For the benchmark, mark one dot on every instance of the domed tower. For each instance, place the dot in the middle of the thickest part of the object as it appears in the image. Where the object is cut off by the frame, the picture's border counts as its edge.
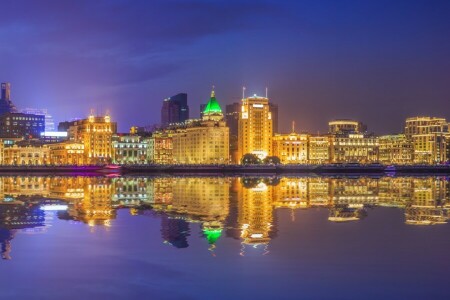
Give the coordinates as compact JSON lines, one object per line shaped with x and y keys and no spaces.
{"x":212,"y":110}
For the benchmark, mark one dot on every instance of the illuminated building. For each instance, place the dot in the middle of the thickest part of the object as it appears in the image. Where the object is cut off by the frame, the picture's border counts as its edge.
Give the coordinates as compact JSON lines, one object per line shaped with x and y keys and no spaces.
{"x":318,"y":149}
{"x":344,"y":126}
{"x":255,"y":211}
{"x":232,"y":119}
{"x":160,"y":147}
{"x":395,"y":149}
{"x":53,"y":136}
{"x":67,"y":153}
{"x":429,"y":138}
{"x":255,"y":129}
{"x":349,"y":143}
{"x":96,"y":135}
{"x":130,"y":149}
{"x":26,"y":154}
{"x":174,"y":110}
{"x":6,"y":105}
{"x":291,"y":148}
{"x":205,"y":141}
{"x":49,"y":123}
{"x":354,"y":148}
{"x":18,"y":125}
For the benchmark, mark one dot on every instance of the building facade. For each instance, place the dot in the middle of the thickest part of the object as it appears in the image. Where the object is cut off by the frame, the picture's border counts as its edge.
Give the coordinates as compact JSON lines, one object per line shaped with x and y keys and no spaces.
{"x":319,"y":149}
{"x":429,"y":136}
{"x":19,"y":125}
{"x":354,"y":148}
{"x":130,"y":149}
{"x":95,"y":133}
{"x":160,"y":147}
{"x":291,"y":148}
{"x":22,"y":155}
{"x":344,"y":126}
{"x":395,"y":149}
{"x":67,"y":153}
{"x":204,"y":141}
{"x":255,"y":129}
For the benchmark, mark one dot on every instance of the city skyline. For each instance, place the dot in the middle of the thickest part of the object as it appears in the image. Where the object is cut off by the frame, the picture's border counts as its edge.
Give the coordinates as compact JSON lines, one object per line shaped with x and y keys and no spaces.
{"x":330,"y":60}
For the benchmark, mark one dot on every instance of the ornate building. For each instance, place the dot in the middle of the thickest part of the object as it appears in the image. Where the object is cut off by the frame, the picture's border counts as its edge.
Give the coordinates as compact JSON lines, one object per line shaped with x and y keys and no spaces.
{"x":204,"y":141}
{"x":130,"y":149}
{"x":96,"y":135}
{"x":160,"y":147}
{"x":291,"y":148}
{"x":67,"y":153}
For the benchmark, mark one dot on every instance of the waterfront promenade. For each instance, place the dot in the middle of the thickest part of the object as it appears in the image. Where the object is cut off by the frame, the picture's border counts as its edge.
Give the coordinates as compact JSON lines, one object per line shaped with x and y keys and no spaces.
{"x":230,"y":169}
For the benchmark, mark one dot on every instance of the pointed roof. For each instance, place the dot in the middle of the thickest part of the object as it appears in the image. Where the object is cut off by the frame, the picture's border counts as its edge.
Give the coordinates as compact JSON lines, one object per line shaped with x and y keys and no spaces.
{"x":212,"y":234}
{"x":213,"y":106}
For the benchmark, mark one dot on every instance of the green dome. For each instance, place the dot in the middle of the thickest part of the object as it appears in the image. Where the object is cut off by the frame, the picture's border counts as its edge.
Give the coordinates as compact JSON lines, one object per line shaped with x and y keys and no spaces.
{"x":213,"y":106}
{"x":212,"y":235}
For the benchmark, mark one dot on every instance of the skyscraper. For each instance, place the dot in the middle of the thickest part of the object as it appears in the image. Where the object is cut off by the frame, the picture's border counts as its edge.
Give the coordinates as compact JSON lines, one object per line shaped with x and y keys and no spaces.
{"x":174,"y":110}
{"x":49,"y":123}
{"x":232,"y":119}
{"x":255,"y":128}
{"x":274,"y":112}
{"x":6,"y":105}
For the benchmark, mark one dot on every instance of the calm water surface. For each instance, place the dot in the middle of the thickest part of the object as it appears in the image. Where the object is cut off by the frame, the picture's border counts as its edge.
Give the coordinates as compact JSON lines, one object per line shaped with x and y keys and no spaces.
{"x":224,"y":238}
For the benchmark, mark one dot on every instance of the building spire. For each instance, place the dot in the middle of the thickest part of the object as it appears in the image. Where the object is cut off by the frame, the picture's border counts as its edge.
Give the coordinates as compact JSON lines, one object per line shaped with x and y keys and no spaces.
{"x":213,"y":94}
{"x":293,"y":126}
{"x":243,"y":92}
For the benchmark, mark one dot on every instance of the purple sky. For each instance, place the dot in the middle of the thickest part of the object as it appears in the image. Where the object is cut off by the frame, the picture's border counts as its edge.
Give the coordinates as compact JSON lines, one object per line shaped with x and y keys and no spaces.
{"x":376,"y":61}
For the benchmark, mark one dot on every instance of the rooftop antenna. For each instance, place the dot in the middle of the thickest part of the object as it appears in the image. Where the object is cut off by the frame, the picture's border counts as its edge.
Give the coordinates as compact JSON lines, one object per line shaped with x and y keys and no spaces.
{"x":293,"y":126}
{"x":243,"y":92}
{"x":267,"y":92}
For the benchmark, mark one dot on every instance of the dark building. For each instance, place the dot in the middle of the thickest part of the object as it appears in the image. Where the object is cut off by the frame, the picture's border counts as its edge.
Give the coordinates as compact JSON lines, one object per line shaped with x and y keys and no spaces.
{"x":18,"y":125}
{"x":64,"y":126}
{"x":6,"y":105}
{"x":232,"y":118}
{"x":174,"y":110}
{"x":202,"y":109}
{"x":274,"y":111}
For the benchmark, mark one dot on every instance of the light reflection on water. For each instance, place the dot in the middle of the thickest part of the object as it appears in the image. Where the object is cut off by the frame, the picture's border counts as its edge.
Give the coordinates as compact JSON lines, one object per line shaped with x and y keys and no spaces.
{"x":252,"y":211}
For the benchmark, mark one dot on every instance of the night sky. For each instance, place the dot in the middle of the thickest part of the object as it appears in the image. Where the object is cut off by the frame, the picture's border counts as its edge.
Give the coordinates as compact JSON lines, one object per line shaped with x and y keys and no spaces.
{"x":376,"y":61}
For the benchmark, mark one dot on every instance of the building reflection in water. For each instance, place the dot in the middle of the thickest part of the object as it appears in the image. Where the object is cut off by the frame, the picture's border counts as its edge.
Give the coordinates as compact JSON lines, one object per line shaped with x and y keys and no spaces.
{"x":238,"y":208}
